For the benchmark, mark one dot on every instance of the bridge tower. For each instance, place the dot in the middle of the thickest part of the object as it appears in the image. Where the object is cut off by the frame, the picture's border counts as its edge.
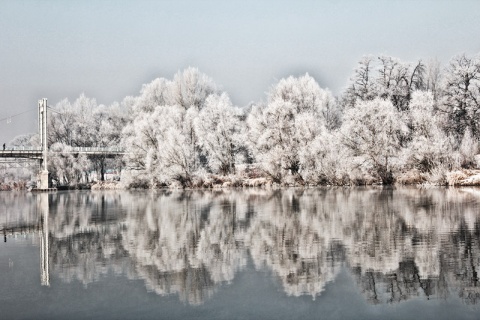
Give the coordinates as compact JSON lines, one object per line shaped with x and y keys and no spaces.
{"x":42,"y":128}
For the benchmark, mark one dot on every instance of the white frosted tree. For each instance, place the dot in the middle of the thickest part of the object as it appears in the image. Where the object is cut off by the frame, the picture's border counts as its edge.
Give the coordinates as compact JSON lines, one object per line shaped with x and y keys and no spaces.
{"x":362,"y":84}
{"x":65,"y":168}
{"x":178,"y":156}
{"x":62,"y":123}
{"x":461,"y":95}
{"x":190,"y":88}
{"x":141,"y":141}
{"x":152,"y":95}
{"x":325,"y":160}
{"x":468,"y":150}
{"x":372,"y":130}
{"x":387,"y":78}
{"x":288,"y":123}
{"x":429,"y":147}
{"x":161,"y":139}
{"x":83,"y":123}
{"x":218,"y":127}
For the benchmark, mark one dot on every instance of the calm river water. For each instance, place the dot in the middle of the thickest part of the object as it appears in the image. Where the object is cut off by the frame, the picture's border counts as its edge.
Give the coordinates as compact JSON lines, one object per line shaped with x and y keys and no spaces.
{"x":357,"y":253}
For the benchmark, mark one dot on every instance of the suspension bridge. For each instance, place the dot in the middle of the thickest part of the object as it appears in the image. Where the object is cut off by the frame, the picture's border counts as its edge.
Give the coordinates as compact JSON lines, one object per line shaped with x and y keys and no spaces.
{"x":19,"y":156}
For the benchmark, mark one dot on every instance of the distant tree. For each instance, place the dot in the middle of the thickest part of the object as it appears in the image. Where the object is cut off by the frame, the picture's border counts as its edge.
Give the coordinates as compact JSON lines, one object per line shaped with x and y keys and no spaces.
{"x":362,"y":84}
{"x":397,"y":80}
{"x":153,"y":94}
{"x":190,"y":88}
{"x":386,"y":78}
{"x":372,"y":130}
{"x":433,"y":78}
{"x":25,"y":140}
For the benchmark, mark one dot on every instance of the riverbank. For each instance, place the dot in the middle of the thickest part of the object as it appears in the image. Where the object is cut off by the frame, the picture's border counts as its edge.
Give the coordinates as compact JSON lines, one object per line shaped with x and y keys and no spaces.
{"x":13,"y":186}
{"x":464,"y":177}
{"x":456,"y":178}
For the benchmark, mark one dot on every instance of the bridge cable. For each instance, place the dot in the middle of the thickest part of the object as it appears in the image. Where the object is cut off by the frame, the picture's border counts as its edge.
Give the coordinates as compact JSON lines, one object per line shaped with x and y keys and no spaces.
{"x":54,"y":110}
{"x":16,"y":115}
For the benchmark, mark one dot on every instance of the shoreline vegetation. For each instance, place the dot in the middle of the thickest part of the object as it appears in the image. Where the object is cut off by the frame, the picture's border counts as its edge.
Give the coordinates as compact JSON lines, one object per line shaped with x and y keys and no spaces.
{"x":458,"y":178}
{"x":396,"y":122}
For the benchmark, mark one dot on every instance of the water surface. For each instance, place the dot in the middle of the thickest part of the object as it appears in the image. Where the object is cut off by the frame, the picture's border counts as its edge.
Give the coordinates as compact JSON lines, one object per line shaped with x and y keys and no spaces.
{"x":357,"y":253}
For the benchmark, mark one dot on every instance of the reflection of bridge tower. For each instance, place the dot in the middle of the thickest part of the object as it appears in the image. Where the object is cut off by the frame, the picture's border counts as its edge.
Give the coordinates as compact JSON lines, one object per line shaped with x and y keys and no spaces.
{"x":42,"y":128}
{"x":42,"y":204}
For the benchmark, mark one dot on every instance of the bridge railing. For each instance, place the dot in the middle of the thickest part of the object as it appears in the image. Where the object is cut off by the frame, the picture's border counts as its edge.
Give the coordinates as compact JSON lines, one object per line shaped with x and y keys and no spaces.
{"x":21,"y":148}
{"x":26,"y":149}
{"x":97,"y":149}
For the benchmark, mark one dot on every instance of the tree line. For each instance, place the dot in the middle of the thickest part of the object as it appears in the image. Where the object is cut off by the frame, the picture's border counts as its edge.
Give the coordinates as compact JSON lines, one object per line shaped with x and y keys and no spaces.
{"x":396,"y":121}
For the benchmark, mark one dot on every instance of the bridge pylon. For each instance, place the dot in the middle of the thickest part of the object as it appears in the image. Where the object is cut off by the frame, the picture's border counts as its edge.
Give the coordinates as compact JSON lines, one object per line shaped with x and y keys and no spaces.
{"x":43,"y":181}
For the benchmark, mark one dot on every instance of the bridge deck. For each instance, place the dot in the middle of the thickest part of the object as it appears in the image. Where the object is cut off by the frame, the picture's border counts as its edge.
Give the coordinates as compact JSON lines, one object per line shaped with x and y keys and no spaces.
{"x":25,"y":152}
{"x":32,"y":154}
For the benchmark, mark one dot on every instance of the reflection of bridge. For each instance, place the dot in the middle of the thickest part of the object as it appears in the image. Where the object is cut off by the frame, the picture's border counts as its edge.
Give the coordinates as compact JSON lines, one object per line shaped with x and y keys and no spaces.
{"x":41,"y":154}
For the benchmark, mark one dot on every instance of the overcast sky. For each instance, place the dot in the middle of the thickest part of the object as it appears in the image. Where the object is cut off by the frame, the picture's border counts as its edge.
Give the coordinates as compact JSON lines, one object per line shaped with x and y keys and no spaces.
{"x":108,"y":49}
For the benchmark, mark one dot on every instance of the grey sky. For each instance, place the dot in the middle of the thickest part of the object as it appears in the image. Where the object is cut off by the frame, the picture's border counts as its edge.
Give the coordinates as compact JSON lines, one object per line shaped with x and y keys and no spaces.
{"x":108,"y":49}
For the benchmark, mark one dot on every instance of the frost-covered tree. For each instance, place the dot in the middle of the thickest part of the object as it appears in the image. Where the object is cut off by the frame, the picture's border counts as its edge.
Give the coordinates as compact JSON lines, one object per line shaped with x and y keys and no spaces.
{"x":372,"y":130}
{"x":461,"y":95}
{"x":292,"y":119}
{"x":325,"y":160}
{"x":62,"y":123}
{"x":160,"y":146}
{"x":107,"y":123}
{"x":161,"y":138}
{"x":179,"y":158}
{"x":219,"y":131}
{"x":190,"y":88}
{"x":153,"y":94}
{"x":65,"y":168}
{"x":140,"y":140}
{"x":397,"y":80}
{"x":387,"y":78}
{"x":468,"y":150}
{"x":71,"y":123}
{"x":429,"y":147}
{"x":83,"y":123}
{"x":433,"y":78}
{"x":362,"y":84}
{"x":25,"y":140}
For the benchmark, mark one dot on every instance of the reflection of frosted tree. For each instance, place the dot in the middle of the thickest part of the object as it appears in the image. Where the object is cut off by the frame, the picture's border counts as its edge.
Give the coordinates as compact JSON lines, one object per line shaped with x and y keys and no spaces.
{"x":85,"y":230}
{"x":13,"y":211}
{"x":185,"y":243}
{"x":436,"y":227}
{"x":283,"y":238}
{"x":398,"y":244}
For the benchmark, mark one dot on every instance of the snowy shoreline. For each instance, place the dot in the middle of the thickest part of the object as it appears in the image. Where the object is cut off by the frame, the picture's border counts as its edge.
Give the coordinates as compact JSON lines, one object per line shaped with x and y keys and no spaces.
{"x":458,"y":178}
